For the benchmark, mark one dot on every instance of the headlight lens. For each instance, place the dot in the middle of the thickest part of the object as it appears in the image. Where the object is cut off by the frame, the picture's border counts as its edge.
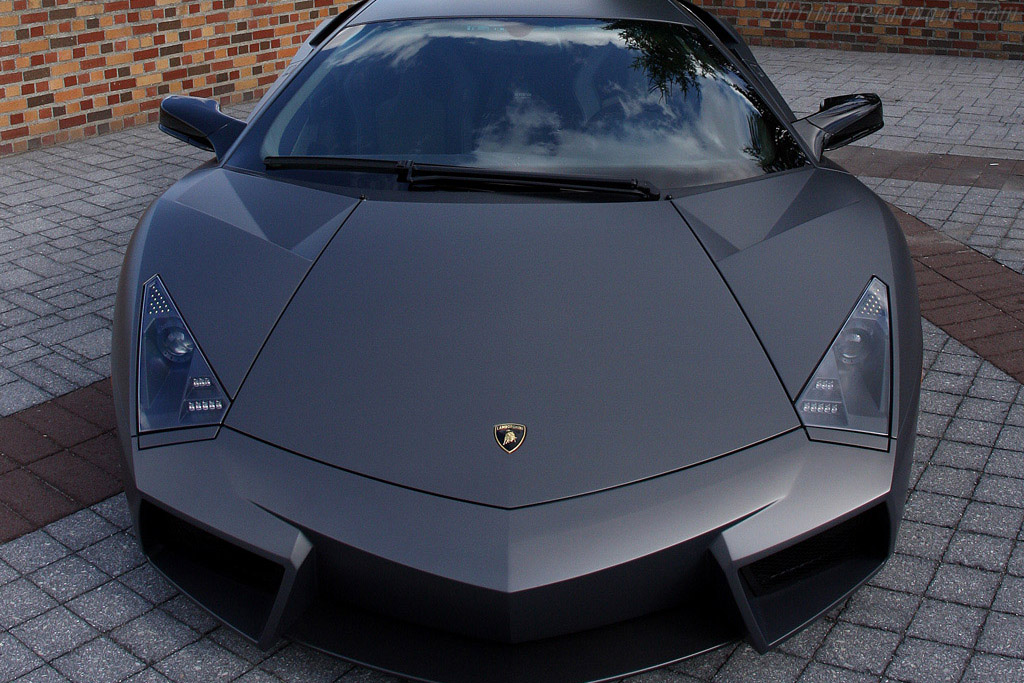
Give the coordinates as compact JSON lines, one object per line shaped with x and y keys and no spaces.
{"x":850,"y":387}
{"x":177,"y":387}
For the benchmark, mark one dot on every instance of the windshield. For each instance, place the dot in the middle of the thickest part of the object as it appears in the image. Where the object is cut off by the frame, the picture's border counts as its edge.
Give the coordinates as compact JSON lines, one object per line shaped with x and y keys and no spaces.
{"x":655,"y":101}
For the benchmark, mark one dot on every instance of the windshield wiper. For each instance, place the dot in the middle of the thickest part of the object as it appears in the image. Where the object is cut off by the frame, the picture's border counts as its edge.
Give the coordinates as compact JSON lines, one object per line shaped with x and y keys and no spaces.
{"x":438,"y":175}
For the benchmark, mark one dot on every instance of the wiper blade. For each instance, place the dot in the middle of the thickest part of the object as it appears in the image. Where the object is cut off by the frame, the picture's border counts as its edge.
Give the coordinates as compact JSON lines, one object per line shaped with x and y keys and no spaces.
{"x":461,"y":176}
{"x":328,"y":163}
{"x":438,"y":175}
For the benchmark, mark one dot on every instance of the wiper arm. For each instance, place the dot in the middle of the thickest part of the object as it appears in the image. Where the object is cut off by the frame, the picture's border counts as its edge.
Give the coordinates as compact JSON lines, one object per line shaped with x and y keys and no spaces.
{"x":435,"y":175}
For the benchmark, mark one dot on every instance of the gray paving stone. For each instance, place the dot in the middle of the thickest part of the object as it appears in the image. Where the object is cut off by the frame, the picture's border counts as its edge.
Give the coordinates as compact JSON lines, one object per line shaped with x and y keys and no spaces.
{"x":115,"y":511}
{"x":923,"y":506}
{"x":995,"y":520}
{"x":68,"y":578}
{"x":54,"y":633}
{"x":948,"y":481}
{"x":1008,"y":463}
{"x":858,"y":648}
{"x":744,"y":664}
{"x":115,"y":554}
{"x":15,"y":658}
{"x":702,"y":667}
{"x":299,"y":664}
{"x":978,"y":550}
{"x":823,"y":673}
{"x":805,"y":643}
{"x":1003,"y":634}
{"x":148,"y":583}
{"x":905,"y":573}
{"x":1006,"y":491}
{"x":202,"y":662}
{"x":946,"y":622}
{"x":44,"y":674}
{"x":150,"y":676}
{"x":881,"y":608}
{"x":20,"y":600}
{"x":7,"y":573}
{"x":964,"y":585}
{"x":81,"y":529}
{"x":108,"y":606}
{"x":154,"y":635}
{"x":923,"y":540}
{"x":985,"y":668}
{"x":1010,"y":597}
{"x":98,"y":661}
{"x":185,"y":610}
{"x":31,"y":551}
{"x":258,"y":676}
{"x":922,"y":661}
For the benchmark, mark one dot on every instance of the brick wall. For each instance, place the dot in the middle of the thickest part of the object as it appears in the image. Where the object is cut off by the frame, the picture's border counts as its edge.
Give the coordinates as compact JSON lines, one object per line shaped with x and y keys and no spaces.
{"x":73,"y":68}
{"x":948,"y":27}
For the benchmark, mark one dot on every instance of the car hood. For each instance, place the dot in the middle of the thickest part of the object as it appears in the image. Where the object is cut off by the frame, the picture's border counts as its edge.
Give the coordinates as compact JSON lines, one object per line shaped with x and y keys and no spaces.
{"x":604,"y":328}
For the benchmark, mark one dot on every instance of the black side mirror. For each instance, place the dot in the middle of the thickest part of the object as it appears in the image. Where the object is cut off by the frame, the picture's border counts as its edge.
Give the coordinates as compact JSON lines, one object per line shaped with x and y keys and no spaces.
{"x":199,"y":122}
{"x":841,"y":120}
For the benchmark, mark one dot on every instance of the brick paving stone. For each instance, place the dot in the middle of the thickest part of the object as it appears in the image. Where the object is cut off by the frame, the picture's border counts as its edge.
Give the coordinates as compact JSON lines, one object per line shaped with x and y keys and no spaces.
{"x":33,"y":499}
{"x":76,"y":477}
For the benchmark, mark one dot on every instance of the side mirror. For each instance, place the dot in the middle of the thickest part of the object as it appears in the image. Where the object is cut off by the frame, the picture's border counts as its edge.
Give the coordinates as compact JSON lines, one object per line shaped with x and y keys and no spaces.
{"x":840,"y":121}
{"x":199,"y":122}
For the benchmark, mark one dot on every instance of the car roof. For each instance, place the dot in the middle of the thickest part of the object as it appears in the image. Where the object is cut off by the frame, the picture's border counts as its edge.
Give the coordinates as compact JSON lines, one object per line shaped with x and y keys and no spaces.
{"x":653,"y":10}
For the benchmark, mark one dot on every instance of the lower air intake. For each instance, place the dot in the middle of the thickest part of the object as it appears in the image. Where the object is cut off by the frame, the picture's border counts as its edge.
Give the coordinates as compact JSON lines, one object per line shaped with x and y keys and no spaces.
{"x":862,"y":537}
{"x":237,"y":585}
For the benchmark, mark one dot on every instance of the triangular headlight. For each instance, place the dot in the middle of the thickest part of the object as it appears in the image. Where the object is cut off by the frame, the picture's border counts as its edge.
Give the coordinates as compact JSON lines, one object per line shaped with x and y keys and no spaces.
{"x":177,"y":388}
{"x":850,"y":387}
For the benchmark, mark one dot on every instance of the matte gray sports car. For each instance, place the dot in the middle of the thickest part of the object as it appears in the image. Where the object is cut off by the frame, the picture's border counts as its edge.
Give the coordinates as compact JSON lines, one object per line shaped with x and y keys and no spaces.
{"x":518,"y":342}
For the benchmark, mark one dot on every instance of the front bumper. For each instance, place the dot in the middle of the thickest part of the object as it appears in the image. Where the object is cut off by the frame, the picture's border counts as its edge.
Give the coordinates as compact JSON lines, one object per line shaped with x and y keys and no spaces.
{"x":756,"y":543}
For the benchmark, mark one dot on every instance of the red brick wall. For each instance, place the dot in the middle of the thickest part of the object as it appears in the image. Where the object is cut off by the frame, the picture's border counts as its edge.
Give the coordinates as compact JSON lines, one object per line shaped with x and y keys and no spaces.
{"x":72,"y":68}
{"x":948,"y":27}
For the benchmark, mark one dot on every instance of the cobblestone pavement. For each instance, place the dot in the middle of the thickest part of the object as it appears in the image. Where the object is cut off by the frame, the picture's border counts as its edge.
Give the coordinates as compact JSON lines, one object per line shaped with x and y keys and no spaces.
{"x":79,"y":603}
{"x":990,"y":221}
{"x":66,"y":215}
{"x":944,"y":105}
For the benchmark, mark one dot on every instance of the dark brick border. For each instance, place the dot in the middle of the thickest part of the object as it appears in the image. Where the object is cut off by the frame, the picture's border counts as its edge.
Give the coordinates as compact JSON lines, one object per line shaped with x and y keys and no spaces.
{"x":976,"y":300}
{"x":56,"y":458}
{"x":944,"y":169}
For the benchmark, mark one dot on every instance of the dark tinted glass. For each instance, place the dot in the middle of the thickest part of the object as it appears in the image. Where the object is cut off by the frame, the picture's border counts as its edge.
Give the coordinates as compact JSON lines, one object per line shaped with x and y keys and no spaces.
{"x":649,"y":100}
